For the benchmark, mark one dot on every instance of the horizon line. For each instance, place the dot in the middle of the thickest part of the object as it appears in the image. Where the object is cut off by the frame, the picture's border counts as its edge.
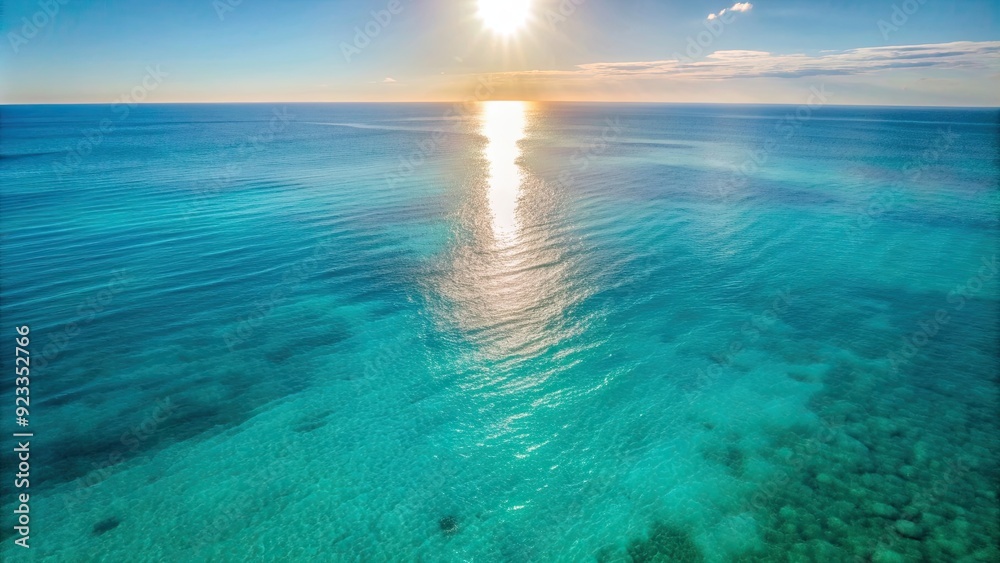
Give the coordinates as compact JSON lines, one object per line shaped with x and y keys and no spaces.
{"x":650,"y":102}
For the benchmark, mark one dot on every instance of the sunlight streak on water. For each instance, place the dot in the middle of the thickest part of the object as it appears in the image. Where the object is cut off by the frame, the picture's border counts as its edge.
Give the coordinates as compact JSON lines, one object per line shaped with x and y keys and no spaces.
{"x":503,"y":126}
{"x":510,"y":279}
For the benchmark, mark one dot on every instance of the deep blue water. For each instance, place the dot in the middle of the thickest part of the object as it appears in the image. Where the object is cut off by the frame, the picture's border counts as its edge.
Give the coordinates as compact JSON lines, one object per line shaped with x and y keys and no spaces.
{"x":508,"y":332}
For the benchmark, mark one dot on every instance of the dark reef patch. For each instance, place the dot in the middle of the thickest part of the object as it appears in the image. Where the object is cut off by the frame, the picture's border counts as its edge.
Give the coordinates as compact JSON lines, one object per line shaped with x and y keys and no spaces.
{"x":730,"y":456}
{"x":105,"y":525}
{"x":309,"y":426}
{"x":314,"y":422}
{"x":664,"y":544}
{"x":448,"y":525}
{"x":800,"y":377}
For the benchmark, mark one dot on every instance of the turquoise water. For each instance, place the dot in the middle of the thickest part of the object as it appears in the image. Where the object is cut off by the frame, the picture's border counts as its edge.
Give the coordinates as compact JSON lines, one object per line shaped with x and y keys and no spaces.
{"x":507,"y":332}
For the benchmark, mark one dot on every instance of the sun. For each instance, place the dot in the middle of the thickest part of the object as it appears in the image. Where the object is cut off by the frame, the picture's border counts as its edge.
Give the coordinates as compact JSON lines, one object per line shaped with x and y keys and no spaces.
{"x":504,"y":16}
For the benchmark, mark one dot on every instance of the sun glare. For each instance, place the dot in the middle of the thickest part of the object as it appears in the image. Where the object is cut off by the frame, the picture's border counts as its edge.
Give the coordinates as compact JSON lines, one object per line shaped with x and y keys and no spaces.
{"x":504,"y":16}
{"x":503,"y":127}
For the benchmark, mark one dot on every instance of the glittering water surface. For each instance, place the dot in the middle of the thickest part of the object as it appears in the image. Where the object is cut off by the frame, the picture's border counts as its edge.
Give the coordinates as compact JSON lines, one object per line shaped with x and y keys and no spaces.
{"x":521,"y":332}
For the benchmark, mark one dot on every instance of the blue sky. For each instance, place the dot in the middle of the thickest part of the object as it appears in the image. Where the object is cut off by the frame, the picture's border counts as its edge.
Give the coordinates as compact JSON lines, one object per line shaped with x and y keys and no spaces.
{"x":771,"y":51}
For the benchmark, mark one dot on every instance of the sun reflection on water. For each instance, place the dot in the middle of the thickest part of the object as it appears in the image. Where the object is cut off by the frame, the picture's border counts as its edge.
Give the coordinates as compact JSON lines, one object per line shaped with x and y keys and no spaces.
{"x":503,"y":125}
{"x":509,"y":278}
{"x":508,"y":284}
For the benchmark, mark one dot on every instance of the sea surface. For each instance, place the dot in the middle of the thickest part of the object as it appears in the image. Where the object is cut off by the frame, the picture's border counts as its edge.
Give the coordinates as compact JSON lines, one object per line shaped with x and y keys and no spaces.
{"x":503,"y":332}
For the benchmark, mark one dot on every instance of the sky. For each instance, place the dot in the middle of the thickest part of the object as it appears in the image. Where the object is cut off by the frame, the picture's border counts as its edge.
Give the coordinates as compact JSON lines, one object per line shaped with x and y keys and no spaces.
{"x":872,"y":52}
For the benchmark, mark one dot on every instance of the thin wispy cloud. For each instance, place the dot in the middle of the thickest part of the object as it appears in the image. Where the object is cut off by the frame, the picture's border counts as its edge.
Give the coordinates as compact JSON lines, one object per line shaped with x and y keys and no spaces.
{"x":968,"y":55}
{"x":737,"y":7}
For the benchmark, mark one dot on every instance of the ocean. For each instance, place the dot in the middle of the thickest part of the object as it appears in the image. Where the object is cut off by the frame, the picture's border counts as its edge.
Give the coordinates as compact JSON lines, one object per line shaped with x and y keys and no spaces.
{"x":503,"y":332}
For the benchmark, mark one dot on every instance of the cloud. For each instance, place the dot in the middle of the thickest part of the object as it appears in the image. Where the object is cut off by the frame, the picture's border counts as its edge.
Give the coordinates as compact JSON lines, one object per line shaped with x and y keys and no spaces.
{"x":869,"y":75}
{"x":968,"y":55}
{"x":737,"y":7}
{"x":388,"y":80}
